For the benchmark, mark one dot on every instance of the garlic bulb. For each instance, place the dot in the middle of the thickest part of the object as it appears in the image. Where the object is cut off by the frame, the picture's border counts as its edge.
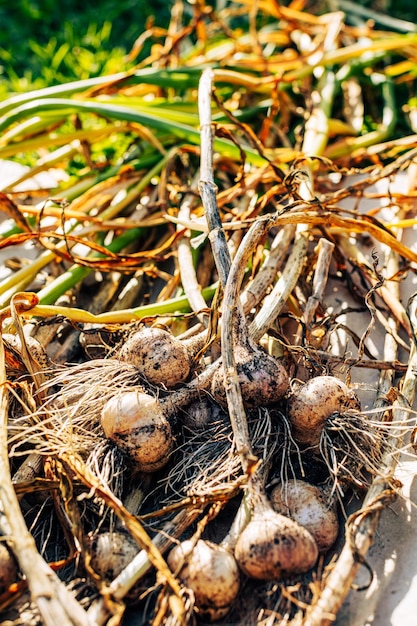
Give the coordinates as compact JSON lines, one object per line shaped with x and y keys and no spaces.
{"x":314,"y":402}
{"x":36,"y":350}
{"x":97,"y":341}
{"x":273,"y":547}
{"x":111,"y":552}
{"x":211,"y":572}
{"x":263,"y":379}
{"x":136,"y":423}
{"x":308,"y":505}
{"x":159,"y":356}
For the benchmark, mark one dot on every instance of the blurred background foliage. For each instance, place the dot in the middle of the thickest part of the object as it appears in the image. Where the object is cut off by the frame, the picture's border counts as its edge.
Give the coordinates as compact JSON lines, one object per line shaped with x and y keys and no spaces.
{"x":44,"y":42}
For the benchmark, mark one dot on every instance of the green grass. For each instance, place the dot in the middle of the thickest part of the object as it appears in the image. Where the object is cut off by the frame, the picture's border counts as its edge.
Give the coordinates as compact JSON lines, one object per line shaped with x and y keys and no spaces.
{"x":46,"y":43}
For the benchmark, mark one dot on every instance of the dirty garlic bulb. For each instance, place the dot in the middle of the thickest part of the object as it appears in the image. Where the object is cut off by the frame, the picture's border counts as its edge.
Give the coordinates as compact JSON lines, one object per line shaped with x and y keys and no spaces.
{"x":308,"y":505}
{"x":314,"y":402}
{"x":136,"y":423}
{"x":274,"y":547}
{"x":263,"y":379}
{"x":158,"y":355}
{"x":211,"y":572}
{"x":111,"y":552}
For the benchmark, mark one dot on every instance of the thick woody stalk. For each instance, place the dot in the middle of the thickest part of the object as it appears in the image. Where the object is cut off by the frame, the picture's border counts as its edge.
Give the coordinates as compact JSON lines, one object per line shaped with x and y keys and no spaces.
{"x":207,"y":185}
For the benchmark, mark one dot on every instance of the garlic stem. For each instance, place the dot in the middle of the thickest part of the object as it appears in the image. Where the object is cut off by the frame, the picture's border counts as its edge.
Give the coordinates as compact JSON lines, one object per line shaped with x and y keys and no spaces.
{"x":324,"y":256}
{"x":207,"y":186}
{"x":233,"y":330}
{"x":274,"y":301}
{"x":189,"y":280}
{"x":258,"y":287}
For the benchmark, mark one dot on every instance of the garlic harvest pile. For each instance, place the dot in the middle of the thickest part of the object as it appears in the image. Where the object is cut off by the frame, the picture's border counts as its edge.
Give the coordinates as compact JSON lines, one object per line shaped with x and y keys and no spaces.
{"x":205,"y":458}
{"x":148,"y":409}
